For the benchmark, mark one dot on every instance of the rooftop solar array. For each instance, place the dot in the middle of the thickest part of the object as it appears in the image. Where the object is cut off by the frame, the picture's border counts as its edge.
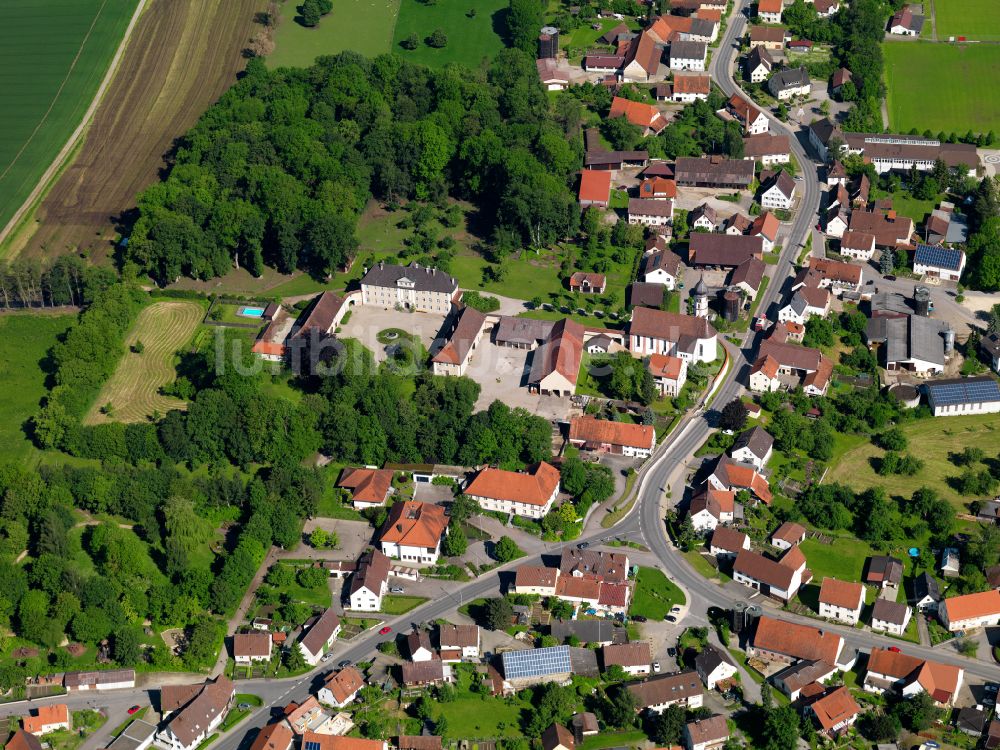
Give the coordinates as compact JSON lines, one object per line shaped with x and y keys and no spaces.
{"x":536,"y":662}
{"x":935,"y":255}
{"x":964,"y":391}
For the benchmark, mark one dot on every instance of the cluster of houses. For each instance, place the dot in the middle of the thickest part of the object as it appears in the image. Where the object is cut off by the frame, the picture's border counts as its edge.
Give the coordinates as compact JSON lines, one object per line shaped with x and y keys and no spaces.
{"x":597,"y":582}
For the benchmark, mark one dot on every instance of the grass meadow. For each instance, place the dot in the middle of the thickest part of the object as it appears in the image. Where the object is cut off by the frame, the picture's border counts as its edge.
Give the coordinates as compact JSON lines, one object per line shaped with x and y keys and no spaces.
{"x":961,"y":77}
{"x":55,"y":54}
{"x":654,"y":595}
{"x":470,"y":37}
{"x":24,"y":343}
{"x":364,"y":26}
{"x":975,"y":19}
{"x":133,"y":389}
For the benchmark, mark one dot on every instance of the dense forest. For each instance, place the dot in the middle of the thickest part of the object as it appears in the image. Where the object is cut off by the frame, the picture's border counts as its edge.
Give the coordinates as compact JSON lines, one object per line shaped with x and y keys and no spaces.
{"x":277,"y":172}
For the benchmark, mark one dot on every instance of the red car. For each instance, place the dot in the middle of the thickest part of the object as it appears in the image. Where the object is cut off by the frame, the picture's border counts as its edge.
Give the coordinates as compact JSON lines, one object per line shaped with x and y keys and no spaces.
{"x":385,"y":630}
{"x":133,"y":710}
{"x":894,"y":649}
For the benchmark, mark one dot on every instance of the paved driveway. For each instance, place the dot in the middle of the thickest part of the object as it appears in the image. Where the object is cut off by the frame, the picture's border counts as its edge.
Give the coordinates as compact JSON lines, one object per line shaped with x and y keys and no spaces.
{"x":366,"y":322}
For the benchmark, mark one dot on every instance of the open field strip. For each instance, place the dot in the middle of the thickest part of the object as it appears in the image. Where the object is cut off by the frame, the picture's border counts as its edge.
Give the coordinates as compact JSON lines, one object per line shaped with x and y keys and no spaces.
{"x":974,"y":19}
{"x":470,"y":38}
{"x":133,"y":390}
{"x":364,"y":26}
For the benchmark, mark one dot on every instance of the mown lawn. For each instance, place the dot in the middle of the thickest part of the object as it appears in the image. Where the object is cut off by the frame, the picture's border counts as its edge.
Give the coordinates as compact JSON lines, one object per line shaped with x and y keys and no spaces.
{"x":975,"y":19}
{"x":844,"y":559}
{"x":963,"y":77}
{"x":397,"y":604}
{"x":470,"y":716}
{"x":931,"y":440}
{"x":470,"y":37}
{"x":24,"y":344}
{"x":364,"y":26}
{"x":654,"y":594}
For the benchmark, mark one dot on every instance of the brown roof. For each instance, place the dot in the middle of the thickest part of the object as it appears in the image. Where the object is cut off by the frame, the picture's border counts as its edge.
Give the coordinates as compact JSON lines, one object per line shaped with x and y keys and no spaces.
{"x":712,"y":249}
{"x":796,"y":640}
{"x":742,"y":476}
{"x":273,"y":737}
{"x":415,"y":524}
{"x":836,"y":707}
{"x":572,"y":587}
{"x":173,"y":697}
{"x":837,"y":271}
{"x":640,"y":293}
{"x":418,"y":742}
{"x":858,"y":240}
{"x":714,"y":170}
{"x":23,"y":741}
{"x":534,"y":488}
{"x":759,"y":441}
{"x":321,"y":631}
{"x":662,"y":259}
{"x":608,"y":566}
{"x":595,"y":185}
{"x":712,"y":729}
{"x":418,"y":640}
{"x":592,"y":430}
{"x":667,"y":325}
{"x":790,"y":532}
{"x":742,"y":110}
{"x":692,"y":83}
{"x":767,"y":34}
{"x":98,"y":677}
{"x":650,"y":207}
{"x":458,"y":636}
{"x":556,"y":735}
{"x":337,"y":742}
{"x":635,"y":654}
{"x":749,"y":272}
{"x":666,"y":688}
{"x":561,"y":353}
{"x":372,"y":572}
{"x":888,"y":232}
{"x":611,"y":36}
{"x":535,"y":575}
{"x":193,"y":719}
{"x":667,"y":28}
{"x":593,"y":279}
{"x":644,"y":51}
{"x":791,"y":355}
{"x":321,"y":315}
{"x":252,"y":644}
{"x":344,"y":683}
{"x":366,"y":485}
{"x":763,"y":569}
{"x":470,"y":324}
{"x":844,"y":594}
{"x":728,"y":539}
{"x":421,"y":672}
{"x":889,"y":611}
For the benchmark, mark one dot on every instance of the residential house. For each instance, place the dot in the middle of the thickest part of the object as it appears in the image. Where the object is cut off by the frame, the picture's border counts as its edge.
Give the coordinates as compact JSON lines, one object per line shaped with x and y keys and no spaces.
{"x":730,"y":474}
{"x":939,"y":262}
{"x":715,"y":172}
{"x":712,"y":250}
{"x":766,"y":227}
{"x":425,"y":673}
{"x":712,"y":507}
{"x":769,"y":37}
{"x":753,"y":446}
{"x":418,"y":646}
{"x":826,"y":8}
{"x":976,"y":395}
{"x":909,"y":675}
{"x":558,"y":737}
{"x":710,"y":733}
{"x":759,"y":64}
{"x":836,"y":276}
{"x":528,"y":667}
{"x":779,"y":364}
{"x":47,"y":719}
{"x":535,"y":579}
{"x":890,"y":617}
{"x":661,"y":267}
{"x":714,"y":666}
{"x":523,"y":494}
{"x":767,"y":148}
{"x":737,"y":224}
{"x":971,"y":720}
{"x":688,"y":55}
{"x":669,"y":373}
{"x":650,"y":212}
{"x":551,"y":76}
{"x":276,"y":736}
{"x":660,"y":188}
{"x":703,"y":217}
{"x":784,"y":641}
{"x":685,"y":336}
{"x":595,"y":188}
{"x":792,"y":679}
{"x":889,"y":228}
{"x":589,"y":632}
{"x":455,"y":353}
{"x":413,"y":532}
{"x":584,"y":725}
{"x":635,"y":658}
{"x":617,"y":438}
{"x":748,"y":276}
{"x":727,"y":543}
{"x":412,"y":287}
{"x":341,"y":687}
{"x":841,"y":600}
{"x":642,"y":58}
{"x":884,"y":572}
{"x":905,"y":22}
{"x":369,"y":487}
{"x":603,"y":63}
{"x":858,"y":245}
{"x":777,"y":190}
{"x":555,"y":365}
{"x":780,"y":579}
{"x":689,"y":87}
{"x":463,"y":639}
{"x":369,"y":582}
{"x":753,"y":121}
{"x":788,"y":83}
{"x":656,"y":694}
{"x":190,"y":724}
{"x":22,"y":740}
{"x":644,"y":116}
{"x":251,"y":647}
{"x":769,"y":11}
{"x":926,"y":593}
{"x":788,"y":534}
{"x":806,"y":302}
{"x":610,"y":567}
{"x":990,"y":346}
{"x":840,"y":77}
{"x":318,"y":639}
{"x":835,"y":712}
{"x":970,"y":610}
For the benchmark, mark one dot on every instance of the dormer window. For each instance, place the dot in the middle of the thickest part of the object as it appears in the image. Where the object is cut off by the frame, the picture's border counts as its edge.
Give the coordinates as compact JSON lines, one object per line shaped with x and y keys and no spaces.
{"x":405,"y":283}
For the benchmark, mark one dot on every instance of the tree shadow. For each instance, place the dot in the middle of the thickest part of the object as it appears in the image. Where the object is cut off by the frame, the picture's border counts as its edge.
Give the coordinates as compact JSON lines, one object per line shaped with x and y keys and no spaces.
{"x":499,"y":22}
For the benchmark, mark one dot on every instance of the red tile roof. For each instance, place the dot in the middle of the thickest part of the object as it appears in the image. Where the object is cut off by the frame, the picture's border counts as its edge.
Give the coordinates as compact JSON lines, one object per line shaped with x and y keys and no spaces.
{"x":595,"y":185}
{"x":366,"y":485}
{"x":971,"y":606}
{"x":252,"y":644}
{"x":414,"y":524}
{"x":535,"y":575}
{"x":57,"y":713}
{"x":344,"y":683}
{"x":796,"y":640}
{"x":693,"y":83}
{"x":534,"y":488}
{"x":836,"y":707}
{"x":638,"y":113}
{"x":635,"y":654}
{"x":665,"y":366}
{"x":592,"y":430}
{"x":841,"y":593}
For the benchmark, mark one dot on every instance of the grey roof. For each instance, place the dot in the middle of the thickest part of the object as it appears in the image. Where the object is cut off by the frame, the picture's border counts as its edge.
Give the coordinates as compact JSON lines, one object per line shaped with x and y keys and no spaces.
{"x":684,"y":50}
{"x":589,"y":631}
{"x":757,"y":439}
{"x":526,"y":331}
{"x":783,"y":181}
{"x":913,"y":337}
{"x":882,"y":568}
{"x":825,"y":129}
{"x":424,"y":279}
{"x":701,"y":289}
{"x":979,"y":390}
{"x":642,"y":294}
{"x":133,"y":736}
{"x":890,"y":302}
{"x":702,"y":27}
{"x":709,"y":660}
{"x":714,"y":170}
{"x":889,"y":611}
{"x":991,"y":344}
{"x":940,"y":257}
{"x":760,"y":55}
{"x":650,"y":207}
{"x":798,"y":303}
{"x":802,"y":673}
{"x":788,"y":78}
{"x":971,"y":720}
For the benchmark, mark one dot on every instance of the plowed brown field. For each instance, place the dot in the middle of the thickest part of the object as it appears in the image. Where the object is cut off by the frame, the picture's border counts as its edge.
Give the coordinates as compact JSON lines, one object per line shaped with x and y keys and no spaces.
{"x":183,"y":55}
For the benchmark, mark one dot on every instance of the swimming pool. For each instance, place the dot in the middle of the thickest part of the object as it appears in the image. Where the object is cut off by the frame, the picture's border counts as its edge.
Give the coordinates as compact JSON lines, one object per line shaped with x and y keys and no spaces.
{"x":251,"y":312}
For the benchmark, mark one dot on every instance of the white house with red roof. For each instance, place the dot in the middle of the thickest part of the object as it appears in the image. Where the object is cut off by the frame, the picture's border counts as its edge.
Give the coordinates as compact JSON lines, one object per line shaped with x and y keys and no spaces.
{"x":529,"y":494}
{"x":413,"y":532}
{"x":617,"y":438}
{"x":669,"y":373}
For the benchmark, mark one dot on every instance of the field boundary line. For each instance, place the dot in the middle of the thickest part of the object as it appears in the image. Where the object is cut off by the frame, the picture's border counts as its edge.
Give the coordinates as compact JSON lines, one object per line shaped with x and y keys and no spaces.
{"x":44,"y":181}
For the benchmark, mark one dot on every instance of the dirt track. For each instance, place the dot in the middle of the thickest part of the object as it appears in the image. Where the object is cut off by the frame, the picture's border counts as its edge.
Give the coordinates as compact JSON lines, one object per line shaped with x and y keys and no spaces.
{"x":182,"y":56}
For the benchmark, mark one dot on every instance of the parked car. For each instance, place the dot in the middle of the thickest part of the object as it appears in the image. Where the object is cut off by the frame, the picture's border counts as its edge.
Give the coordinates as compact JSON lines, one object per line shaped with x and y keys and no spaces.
{"x":670,"y":618}
{"x":656,"y":666}
{"x":396,"y":590}
{"x":385,"y":631}
{"x":344,"y":663}
{"x":671,"y":651}
{"x":133,"y":710}
{"x":676,"y":608}
{"x":894,"y":649}
{"x":889,"y":277}
{"x":327,"y":657}
{"x":640,"y":618}
{"x":583,"y":545}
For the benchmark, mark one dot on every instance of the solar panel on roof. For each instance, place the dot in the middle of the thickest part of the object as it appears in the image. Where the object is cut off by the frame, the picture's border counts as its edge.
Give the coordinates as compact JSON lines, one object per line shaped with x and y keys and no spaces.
{"x":971,"y":391}
{"x":935,"y":255}
{"x":536,"y":662}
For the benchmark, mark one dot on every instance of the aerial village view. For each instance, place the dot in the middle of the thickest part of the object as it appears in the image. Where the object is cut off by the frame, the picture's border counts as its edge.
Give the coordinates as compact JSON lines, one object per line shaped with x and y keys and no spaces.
{"x":499,"y":374}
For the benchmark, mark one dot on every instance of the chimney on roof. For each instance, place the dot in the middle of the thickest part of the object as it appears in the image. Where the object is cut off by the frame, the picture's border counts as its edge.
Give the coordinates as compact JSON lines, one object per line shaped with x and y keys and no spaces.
{"x":381,"y":264}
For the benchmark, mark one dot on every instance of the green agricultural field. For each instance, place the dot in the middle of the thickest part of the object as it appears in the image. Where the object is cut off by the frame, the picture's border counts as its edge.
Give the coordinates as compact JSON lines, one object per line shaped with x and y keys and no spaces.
{"x":963,"y":78}
{"x":24,"y":342}
{"x":975,"y":19}
{"x":364,"y":26}
{"x":931,"y":440}
{"x":470,"y":37}
{"x":55,"y":54}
